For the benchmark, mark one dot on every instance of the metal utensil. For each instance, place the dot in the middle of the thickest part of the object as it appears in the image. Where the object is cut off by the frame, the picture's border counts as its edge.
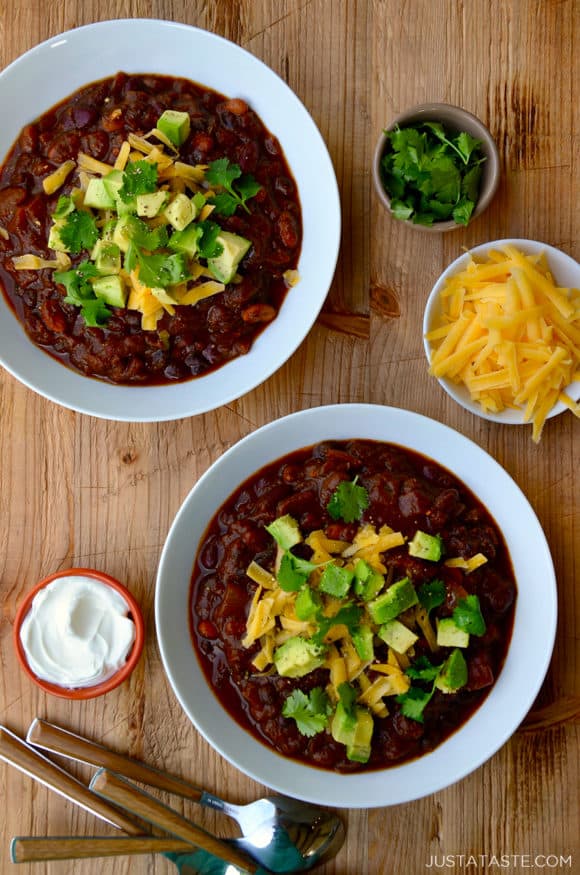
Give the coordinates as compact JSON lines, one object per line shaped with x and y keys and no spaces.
{"x":282,"y":834}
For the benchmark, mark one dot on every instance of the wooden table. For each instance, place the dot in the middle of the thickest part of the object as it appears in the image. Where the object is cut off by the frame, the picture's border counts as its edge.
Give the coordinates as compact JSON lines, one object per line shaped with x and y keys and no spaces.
{"x":78,"y":491}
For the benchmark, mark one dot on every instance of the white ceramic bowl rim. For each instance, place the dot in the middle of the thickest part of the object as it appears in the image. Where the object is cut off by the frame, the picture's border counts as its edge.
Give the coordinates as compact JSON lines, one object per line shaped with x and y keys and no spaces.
{"x":566,"y":272}
{"x":534,"y":627}
{"x":87,"y":54}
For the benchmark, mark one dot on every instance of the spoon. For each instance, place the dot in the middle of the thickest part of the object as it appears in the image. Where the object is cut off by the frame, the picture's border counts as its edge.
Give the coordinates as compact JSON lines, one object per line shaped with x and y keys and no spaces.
{"x":282,"y":834}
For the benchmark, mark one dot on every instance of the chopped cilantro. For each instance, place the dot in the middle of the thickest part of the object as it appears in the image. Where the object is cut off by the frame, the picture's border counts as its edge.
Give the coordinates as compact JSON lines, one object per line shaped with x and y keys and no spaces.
{"x":294,"y":572}
{"x":310,"y":711}
{"x":223,"y":174}
{"x":145,"y":237}
{"x":348,"y":502}
{"x":431,"y":594}
{"x":423,"y":669}
{"x":348,"y":615}
{"x":336,"y":581}
{"x":80,"y":293}
{"x":208,"y":247}
{"x":467,"y":615}
{"x":79,"y":231}
{"x":140,"y":177}
{"x":414,"y":702}
{"x":430,"y":175}
{"x":157,"y":270}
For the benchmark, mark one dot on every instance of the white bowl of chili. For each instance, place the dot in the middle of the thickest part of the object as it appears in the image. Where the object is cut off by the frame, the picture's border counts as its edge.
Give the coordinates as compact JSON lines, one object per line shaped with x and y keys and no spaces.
{"x":528,"y":650}
{"x":73,"y":60}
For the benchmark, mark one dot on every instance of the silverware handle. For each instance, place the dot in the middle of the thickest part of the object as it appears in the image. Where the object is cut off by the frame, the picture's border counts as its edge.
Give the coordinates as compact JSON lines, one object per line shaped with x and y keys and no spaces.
{"x":29,"y":849}
{"x":60,"y":741}
{"x":17,"y":753}
{"x":121,"y":792}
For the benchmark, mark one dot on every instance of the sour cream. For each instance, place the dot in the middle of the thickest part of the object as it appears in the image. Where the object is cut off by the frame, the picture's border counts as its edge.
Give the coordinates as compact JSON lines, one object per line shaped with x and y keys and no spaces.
{"x":77,"y":632}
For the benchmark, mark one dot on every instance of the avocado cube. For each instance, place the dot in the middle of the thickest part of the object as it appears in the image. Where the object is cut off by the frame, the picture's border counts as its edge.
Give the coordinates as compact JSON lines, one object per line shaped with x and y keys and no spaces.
{"x":186,"y":241}
{"x":180,"y":212}
{"x":98,"y":195}
{"x":54,"y":241}
{"x":224,"y":266}
{"x":453,"y":674}
{"x":343,"y":725}
{"x":400,"y":596}
{"x":367,"y":582}
{"x":175,"y":125}
{"x":111,"y":289}
{"x":150,"y":205}
{"x":123,"y":233}
{"x":107,"y":257}
{"x":359,"y":750}
{"x":285,"y":530}
{"x":425,"y":546}
{"x":307,"y":603}
{"x":362,"y":638}
{"x":109,"y":230}
{"x":336,"y":581}
{"x":397,"y":636}
{"x":450,"y":635}
{"x":297,"y":657}
{"x":113,"y":182}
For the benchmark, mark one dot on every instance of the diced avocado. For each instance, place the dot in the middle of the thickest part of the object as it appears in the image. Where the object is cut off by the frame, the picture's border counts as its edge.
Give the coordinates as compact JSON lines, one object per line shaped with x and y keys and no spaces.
{"x":453,"y":674}
{"x":343,"y":725}
{"x":162,"y":296}
{"x":400,"y":596}
{"x":98,"y":195}
{"x":307,"y":603}
{"x":150,"y":205}
{"x":186,"y":241}
{"x":111,"y":289}
{"x":450,"y":635}
{"x":297,"y":657}
{"x":180,"y":212}
{"x":367,"y":583}
{"x":425,"y":546}
{"x":336,"y":581}
{"x":54,"y":241}
{"x":122,"y":233}
{"x":359,"y":750}
{"x":285,"y":531}
{"x":109,"y":230}
{"x":397,"y":636}
{"x":224,"y":266}
{"x":107,"y":257}
{"x":113,"y":183}
{"x":362,"y":638}
{"x":175,"y":125}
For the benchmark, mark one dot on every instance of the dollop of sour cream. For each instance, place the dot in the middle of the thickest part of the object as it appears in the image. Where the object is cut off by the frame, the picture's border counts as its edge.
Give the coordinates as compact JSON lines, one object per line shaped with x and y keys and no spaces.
{"x":77,"y":632}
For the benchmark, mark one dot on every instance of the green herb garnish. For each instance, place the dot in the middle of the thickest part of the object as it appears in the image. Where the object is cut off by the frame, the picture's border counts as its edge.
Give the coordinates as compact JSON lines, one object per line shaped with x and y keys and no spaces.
{"x":140,"y":177}
{"x":348,"y":502}
{"x":79,"y":231}
{"x":310,"y":711}
{"x":336,"y":581}
{"x":431,"y":594}
{"x":431,"y":176}
{"x":80,"y":293}
{"x":294,"y":572}
{"x":223,"y":174}
{"x":467,"y":615}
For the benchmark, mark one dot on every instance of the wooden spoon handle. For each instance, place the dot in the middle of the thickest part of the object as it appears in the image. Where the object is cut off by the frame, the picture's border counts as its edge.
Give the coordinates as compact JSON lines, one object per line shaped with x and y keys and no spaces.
{"x":123,"y":793}
{"x":28,"y":849}
{"x":53,"y":738}
{"x":17,"y":753}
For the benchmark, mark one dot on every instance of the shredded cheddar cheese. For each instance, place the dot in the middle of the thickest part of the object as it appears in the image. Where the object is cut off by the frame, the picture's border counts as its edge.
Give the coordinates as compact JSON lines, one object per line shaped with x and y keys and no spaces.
{"x":510,"y":334}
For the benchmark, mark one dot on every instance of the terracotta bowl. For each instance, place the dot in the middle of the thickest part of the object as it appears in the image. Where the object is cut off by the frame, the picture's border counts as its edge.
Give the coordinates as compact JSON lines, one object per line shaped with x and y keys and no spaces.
{"x":455,"y":120}
{"x":134,"y":612}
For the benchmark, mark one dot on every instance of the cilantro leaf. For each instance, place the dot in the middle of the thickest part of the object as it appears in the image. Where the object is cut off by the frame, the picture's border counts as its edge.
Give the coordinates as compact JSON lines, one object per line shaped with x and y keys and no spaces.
{"x":158,"y":270}
{"x":145,"y":237}
{"x":223,"y":175}
{"x":431,"y":594}
{"x":348,"y":697}
{"x":139,"y":177}
{"x":336,"y":581}
{"x":349,"y":615}
{"x":310,"y":711}
{"x":467,"y":615}
{"x":414,"y":702}
{"x":79,"y":231}
{"x":208,"y":247}
{"x":95,"y":312}
{"x":423,"y":669}
{"x":466,"y":145}
{"x":294,"y":572}
{"x":348,"y":502}
{"x":80,"y":293}
{"x":462,"y":212}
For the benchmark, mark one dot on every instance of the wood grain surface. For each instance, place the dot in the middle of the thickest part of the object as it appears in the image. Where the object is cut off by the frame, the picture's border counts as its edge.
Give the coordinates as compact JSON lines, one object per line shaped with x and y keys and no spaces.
{"x":79,"y":491}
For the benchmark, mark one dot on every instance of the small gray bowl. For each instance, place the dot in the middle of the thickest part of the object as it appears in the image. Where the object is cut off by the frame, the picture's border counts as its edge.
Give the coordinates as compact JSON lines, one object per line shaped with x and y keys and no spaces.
{"x":453,"y":119}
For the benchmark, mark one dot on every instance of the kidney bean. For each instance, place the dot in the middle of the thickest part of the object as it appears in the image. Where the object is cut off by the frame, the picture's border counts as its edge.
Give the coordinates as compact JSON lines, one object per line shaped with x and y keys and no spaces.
{"x":53,"y":317}
{"x":28,"y":140}
{"x":258,"y":313}
{"x":96,"y":144}
{"x":287,"y":230}
{"x":10,"y":198}
{"x":64,"y":147}
{"x":236,"y":105}
{"x":207,"y":629}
